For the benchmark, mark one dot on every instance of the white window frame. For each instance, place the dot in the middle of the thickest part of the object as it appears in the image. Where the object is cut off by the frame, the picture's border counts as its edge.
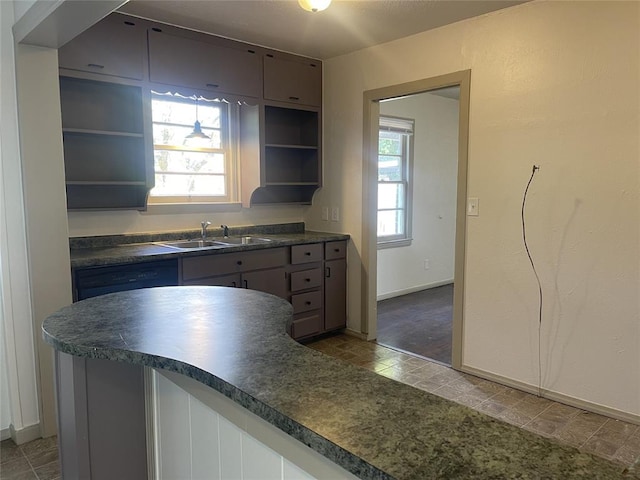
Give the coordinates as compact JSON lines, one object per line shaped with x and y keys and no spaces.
{"x":404,"y":126}
{"x":229,"y":135}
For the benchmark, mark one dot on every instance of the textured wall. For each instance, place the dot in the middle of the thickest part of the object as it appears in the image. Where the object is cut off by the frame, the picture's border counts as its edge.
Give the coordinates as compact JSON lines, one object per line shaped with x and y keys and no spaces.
{"x":552,"y":83}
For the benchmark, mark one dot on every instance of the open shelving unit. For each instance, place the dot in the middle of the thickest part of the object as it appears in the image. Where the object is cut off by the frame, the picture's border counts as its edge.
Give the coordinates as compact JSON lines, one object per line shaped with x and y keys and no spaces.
{"x":106,"y":164}
{"x":291,"y":170}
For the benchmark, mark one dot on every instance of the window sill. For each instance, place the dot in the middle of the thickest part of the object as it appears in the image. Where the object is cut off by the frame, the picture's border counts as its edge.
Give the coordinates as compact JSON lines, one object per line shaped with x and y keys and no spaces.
{"x":403,"y":242}
{"x":177,"y":208}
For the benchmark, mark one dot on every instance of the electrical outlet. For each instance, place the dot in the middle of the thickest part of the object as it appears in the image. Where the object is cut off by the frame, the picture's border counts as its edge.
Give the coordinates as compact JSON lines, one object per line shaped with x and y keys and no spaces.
{"x":325,"y":213}
{"x":335,"y":214}
{"x":426,"y":264}
{"x":473,"y":207}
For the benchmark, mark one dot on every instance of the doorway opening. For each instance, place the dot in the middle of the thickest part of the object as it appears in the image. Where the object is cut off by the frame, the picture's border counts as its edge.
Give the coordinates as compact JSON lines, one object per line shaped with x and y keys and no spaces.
{"x":417,"y":203}
{"x":375,"y":103}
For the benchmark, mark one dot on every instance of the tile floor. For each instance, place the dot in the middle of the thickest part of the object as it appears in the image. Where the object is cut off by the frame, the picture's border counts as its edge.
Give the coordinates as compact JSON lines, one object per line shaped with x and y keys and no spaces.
{"x":612,"y":439}
{"x":37,"y":460}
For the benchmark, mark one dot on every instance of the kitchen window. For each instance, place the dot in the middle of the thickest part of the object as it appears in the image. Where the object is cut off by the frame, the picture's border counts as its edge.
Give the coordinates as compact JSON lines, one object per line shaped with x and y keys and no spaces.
{"x":395,"y":161}
{"x":192,"y":168}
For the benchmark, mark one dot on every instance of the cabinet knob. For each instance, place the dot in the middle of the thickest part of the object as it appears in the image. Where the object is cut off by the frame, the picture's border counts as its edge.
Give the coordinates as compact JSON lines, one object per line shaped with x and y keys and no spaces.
{"x":239,"y":262}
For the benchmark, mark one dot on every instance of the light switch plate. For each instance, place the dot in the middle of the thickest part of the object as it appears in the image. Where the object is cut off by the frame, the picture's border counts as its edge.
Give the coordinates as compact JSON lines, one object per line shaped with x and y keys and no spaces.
{"x":335,"y":214}
{"x":325,"y":213}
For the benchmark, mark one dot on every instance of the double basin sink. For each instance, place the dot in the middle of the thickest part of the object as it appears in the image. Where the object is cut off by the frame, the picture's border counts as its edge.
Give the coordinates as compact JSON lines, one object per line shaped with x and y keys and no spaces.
{"x":219,"y":243}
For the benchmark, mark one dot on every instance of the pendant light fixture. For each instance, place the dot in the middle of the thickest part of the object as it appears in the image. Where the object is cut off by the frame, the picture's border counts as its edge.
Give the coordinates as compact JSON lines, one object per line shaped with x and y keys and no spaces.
{"x":197,"y":130}
{"x":314,"y":5}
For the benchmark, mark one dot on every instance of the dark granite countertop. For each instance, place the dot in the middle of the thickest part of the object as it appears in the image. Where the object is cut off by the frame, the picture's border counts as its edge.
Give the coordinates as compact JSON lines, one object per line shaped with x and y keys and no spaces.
{"x":233,"y":340}
{"x":125,"y":249}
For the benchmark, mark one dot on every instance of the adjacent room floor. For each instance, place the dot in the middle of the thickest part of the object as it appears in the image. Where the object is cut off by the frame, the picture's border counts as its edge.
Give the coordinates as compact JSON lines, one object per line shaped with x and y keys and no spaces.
{"x":606,"y":437}
{"x":418,"y":323}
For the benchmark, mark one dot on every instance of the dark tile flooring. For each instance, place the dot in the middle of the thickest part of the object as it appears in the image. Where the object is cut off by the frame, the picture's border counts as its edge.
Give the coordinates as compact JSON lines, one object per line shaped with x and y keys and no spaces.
{"x":418,"y":323}
{"x":36,"y":460}
{"x":603,"y":436}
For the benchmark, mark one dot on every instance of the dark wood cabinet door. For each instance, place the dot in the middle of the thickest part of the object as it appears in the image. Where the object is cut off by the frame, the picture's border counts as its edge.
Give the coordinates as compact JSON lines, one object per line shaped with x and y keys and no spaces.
{"x":186,"y":62}
{"x":335,"y":291}
{"x":270,"y":281}
{"x":293,"y":81}
{"x":114,"y":46}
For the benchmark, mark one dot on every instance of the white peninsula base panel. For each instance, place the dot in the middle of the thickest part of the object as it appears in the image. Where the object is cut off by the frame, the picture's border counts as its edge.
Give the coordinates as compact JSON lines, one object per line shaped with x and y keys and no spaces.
{"x":200,"y":434}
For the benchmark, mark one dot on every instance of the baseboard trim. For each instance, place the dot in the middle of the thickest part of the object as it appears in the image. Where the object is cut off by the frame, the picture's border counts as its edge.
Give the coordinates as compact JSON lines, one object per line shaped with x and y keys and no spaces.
{"x":24,"y":435}
{"x":407,"y":291}
{"x":5,"y":433}
{"x":555,"y":396}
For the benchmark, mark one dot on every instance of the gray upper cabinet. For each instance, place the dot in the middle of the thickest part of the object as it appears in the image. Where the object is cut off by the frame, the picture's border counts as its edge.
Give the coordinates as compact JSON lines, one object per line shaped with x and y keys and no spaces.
{"x":115,"y":46}
{"x":295,"y":81}
{"x":181,"y":61}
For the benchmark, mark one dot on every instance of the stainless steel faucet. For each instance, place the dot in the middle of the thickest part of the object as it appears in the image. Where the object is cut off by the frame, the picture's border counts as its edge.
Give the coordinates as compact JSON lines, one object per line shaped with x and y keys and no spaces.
{"x":225,"y":231}
{"x":203,"y":232}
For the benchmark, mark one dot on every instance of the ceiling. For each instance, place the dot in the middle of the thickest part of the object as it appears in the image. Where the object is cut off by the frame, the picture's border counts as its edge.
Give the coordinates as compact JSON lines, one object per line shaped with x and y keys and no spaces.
{"x":346,"y":26}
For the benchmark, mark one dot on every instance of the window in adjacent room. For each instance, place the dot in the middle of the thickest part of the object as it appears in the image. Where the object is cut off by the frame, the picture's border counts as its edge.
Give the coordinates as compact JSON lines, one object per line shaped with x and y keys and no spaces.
{"x":395,"y":160}
{"x":192,"y":170}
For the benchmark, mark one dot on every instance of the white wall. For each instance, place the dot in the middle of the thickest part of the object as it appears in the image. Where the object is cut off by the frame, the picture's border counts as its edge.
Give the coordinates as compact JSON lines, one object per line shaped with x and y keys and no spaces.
{"x":18,"y":375}
{"x":401,"y":270}
{"x":555,"y":84}
{"x":109,"y":223}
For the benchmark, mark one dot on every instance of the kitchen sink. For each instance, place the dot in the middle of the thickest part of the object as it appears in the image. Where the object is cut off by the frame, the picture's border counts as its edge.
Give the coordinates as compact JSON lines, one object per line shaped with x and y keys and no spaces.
{"x":192,"y":244}
{"x":247,"y":240}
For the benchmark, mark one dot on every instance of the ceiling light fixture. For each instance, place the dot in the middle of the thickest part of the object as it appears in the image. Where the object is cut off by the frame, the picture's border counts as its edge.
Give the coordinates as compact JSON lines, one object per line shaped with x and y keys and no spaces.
{"x":314,"y":5}
{"x":197,"y":129}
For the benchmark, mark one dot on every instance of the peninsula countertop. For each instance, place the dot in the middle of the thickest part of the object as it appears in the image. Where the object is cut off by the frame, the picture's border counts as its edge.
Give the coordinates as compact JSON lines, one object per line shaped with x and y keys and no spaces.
{"x":134,"y":248}
{"x":234,"y":341}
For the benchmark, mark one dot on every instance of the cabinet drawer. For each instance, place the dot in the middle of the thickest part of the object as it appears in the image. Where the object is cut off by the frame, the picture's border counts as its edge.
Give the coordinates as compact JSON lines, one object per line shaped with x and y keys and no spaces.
{"x":303,"y":302}
{"x":335,"y":250}
{"x":210,"y":265}
{"x":306,"y":253}
{"x":306,"y":325}
{"x":306,"y":279}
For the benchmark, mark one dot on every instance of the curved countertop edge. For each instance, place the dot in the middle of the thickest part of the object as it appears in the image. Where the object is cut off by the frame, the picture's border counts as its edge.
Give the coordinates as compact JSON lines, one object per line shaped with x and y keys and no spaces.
{"x":435,"y":433}
{"x":144,"y":252}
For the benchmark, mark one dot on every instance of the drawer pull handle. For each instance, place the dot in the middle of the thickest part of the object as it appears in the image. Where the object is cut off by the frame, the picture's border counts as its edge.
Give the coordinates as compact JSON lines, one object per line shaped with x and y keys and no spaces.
{"x":307,"y":302}
{"x":95,"y":65}
{"x":327,"y":272}
{"x":246,"y":284}
{"x":294,"y":98}
{"x":337,"y":250}
{"x":239,"y":262}
{"x":308,"y":254}
{"x":307,"y":279}
{"x":212,"y":85}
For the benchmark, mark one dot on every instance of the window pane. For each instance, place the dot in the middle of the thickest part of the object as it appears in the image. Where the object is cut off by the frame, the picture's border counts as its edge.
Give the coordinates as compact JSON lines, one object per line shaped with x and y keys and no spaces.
{"x":389,"y":168}
{"x":171,"y":161}
{"x":390,"y":195}
{"x":390,"y":222}
{"x":172,"y":110}
{"x":179,"y":185}
{"x":170,"y":135}
{"x":390,"y":143}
